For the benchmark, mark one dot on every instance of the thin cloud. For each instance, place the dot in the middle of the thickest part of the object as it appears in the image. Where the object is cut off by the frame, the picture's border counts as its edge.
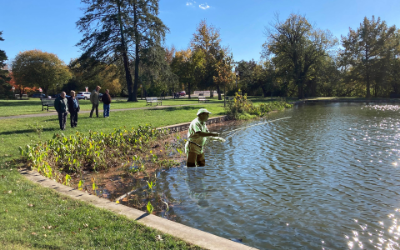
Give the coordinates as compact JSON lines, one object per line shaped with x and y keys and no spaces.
{"x":204,"y":6}
{"x":190,"y":3}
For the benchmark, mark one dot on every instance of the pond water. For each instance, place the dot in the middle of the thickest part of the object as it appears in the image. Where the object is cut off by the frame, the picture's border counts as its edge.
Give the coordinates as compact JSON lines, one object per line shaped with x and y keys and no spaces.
{"x":326,"y":178}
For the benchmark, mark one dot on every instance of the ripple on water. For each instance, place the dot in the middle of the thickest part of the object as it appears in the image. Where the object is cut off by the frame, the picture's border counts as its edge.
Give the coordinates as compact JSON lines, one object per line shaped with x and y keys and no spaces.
{"x":325,"y":179}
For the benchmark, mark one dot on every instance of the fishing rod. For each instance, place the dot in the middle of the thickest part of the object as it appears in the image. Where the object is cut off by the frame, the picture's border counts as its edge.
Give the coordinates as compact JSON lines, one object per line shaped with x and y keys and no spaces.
{"x":237,"y":130}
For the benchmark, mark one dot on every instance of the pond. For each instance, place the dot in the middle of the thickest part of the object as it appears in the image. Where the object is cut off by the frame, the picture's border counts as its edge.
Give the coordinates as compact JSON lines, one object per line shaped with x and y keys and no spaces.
{"x":328,"y":177}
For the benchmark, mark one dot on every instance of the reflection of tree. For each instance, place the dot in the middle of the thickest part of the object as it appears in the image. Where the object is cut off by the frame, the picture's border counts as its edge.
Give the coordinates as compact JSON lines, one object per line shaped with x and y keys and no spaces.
{"x":197,"y":192}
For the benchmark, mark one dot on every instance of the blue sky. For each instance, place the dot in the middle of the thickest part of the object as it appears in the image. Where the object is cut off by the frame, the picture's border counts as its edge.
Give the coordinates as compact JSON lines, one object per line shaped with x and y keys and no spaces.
{"x":49,"y":25}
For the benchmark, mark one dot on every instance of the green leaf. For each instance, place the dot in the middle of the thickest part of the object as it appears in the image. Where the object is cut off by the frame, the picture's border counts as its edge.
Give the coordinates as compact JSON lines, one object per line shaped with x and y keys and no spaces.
{"x":149,"y":208}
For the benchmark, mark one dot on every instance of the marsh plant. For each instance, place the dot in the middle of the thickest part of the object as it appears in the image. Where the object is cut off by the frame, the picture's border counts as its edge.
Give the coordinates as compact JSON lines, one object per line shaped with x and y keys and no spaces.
{"x":242,"y":109}
{"x":92,"y":151}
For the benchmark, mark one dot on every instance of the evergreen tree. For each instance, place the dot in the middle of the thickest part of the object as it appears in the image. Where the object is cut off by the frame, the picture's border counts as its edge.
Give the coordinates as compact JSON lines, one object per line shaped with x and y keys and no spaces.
{"x":115,"y":28}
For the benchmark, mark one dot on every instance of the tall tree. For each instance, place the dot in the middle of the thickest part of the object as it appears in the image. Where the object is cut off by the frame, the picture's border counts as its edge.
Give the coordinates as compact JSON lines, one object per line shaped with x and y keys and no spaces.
{"x":225,"y":76}
{"x":207,"y":39}
{"x":115,"y":28}
{"x":297,"y":46}
{"x":364,"y":49}
{"x":4,"y":78}
{"x":34,"y":68}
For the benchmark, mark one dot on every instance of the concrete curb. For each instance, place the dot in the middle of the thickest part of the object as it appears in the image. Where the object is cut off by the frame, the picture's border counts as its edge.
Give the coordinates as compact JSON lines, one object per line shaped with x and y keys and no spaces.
{"x":185,"y":233}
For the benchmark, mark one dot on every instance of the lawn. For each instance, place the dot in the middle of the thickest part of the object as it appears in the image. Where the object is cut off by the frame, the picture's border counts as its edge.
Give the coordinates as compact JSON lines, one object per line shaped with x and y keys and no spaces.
{"x":34,"y":106}
{"x":33,"y":217}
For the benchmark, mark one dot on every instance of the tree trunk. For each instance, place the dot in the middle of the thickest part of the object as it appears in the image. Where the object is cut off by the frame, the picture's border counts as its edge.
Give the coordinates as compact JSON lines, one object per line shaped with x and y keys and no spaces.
{"x":133,"y":97}
{"x":189,"y":89}
{"x":128,"y":75}
{"x":219,"y":93}
{"x":264,"y":91}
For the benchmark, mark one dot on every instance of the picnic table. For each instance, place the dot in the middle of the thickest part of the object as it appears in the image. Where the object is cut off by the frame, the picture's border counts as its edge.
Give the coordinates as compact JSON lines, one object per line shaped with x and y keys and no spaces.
{"x":151,"y":100}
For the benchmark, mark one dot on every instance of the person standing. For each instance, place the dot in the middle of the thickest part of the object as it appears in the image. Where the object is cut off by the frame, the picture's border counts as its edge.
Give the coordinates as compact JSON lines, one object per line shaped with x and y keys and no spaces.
{"x":94,"y":99}
{"x":106,"y":103}
{"x":61,"y":105}
{"x":197,"y":137}
{"x":73,"y":108}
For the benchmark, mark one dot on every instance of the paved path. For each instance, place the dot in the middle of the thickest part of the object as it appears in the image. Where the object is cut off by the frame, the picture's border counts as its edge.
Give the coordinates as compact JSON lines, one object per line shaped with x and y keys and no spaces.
{"x":53,"y":112}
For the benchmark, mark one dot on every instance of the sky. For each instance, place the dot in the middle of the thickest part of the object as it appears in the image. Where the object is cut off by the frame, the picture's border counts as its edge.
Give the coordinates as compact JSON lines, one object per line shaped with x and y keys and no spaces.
{"x":49,"y":25}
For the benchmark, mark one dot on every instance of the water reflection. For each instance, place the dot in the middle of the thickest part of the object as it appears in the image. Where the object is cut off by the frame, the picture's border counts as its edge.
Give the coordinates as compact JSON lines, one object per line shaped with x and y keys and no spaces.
{"x":197,"y":191}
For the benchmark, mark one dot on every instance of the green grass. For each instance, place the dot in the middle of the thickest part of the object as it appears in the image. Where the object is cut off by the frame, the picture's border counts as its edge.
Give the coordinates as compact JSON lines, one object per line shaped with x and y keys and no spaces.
{"x":57,"y":222}
{"x":34,"y":106}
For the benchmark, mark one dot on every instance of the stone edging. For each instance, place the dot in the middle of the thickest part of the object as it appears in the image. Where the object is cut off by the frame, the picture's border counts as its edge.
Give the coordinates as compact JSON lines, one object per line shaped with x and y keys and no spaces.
{"x":185,"y":233}
{"x":185,"y":126}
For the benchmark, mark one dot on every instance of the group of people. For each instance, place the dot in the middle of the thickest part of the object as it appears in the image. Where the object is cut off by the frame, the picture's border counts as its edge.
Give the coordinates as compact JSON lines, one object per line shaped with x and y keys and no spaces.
{"x":64,"y":104}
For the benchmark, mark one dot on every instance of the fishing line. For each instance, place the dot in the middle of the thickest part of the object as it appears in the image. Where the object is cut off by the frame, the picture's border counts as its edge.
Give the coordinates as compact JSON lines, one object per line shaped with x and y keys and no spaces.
{"x":237,"y":130}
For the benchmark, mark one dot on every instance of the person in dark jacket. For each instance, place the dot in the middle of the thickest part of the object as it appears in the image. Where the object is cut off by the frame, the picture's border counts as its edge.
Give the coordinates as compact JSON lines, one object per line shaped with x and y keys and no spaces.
{"x":106,"y":99}
{"x":73,"y":108}
{"x":61,"y":105}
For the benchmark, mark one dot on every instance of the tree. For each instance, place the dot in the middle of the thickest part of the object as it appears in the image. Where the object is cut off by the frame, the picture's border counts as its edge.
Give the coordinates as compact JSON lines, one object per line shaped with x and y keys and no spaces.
{"x":34,"y":68}
{"x":207,"y":39}
{"x":5,"y":87}
{"x":225,"y":76}
{"x":296,"y":46}
{"x":112,"y":27}
{"x":187,"y":65}
{"x":364,"y":50}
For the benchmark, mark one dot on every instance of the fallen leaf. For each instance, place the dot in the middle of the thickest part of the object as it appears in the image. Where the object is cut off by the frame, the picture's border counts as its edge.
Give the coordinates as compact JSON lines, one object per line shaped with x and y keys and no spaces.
{"x":158,"y":238}
{"x":49,"y":227}
{"x":43,"y":227}
{"x":2,"y":176}
{"x":73,"y":232}
{"x":117,"y":201}
{"x":45,"y":235}
{"x":85,"y":225}
{"x":34,"y":233}
{"x":30,"y":205}
{"x":80,"y":229}
{"x":95,"y":228}
{"x":9,"y":191}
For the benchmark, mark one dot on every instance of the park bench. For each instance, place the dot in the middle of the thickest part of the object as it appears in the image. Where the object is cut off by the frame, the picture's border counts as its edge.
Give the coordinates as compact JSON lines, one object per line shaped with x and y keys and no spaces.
{"x":47,"y":103}
{"x":24,"y":96}
{"x":202,"y":98}
{"x":151,"y":100}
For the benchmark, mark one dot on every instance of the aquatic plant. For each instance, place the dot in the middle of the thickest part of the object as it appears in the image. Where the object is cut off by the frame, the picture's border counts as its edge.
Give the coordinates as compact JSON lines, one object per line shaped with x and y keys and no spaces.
{"x":243,"y":109}
{"x":149,"y":207}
